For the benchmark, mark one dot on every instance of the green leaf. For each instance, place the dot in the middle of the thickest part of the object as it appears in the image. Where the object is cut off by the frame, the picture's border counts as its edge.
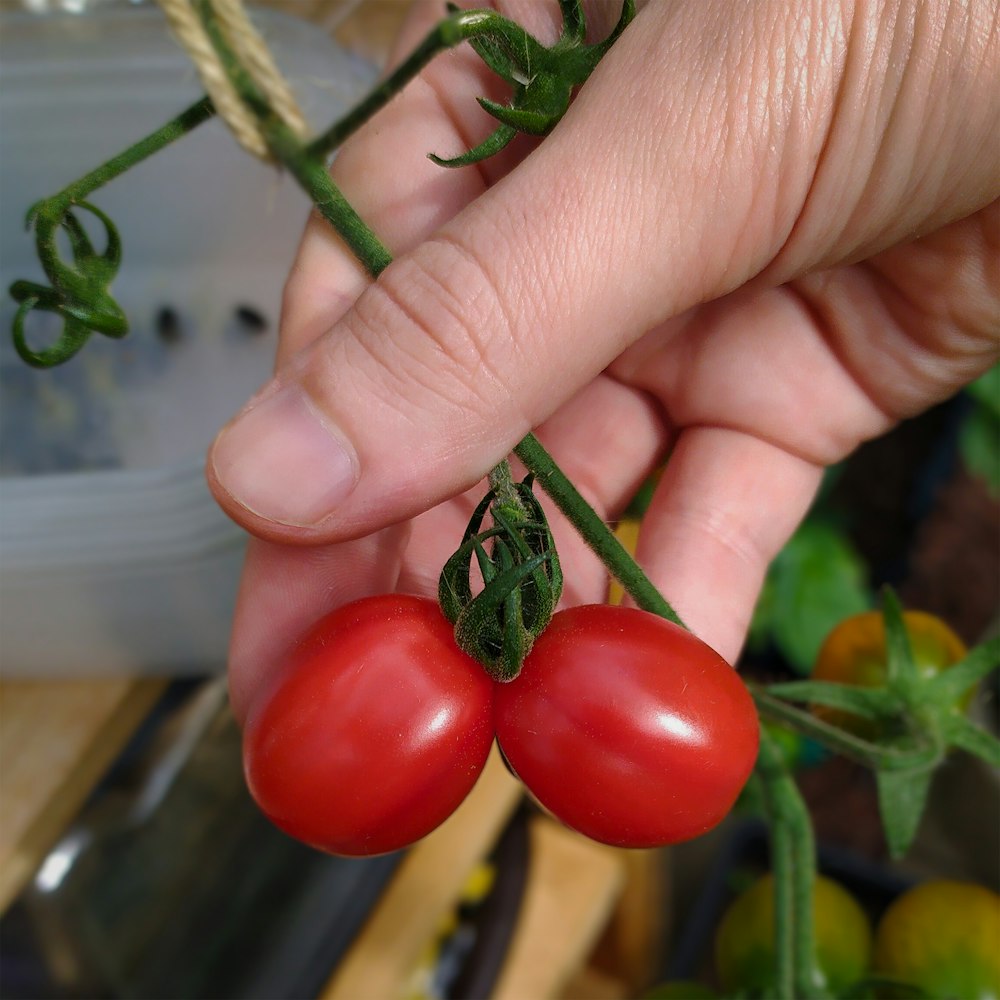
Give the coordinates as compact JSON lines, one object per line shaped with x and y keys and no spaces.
{"x":816,"y":581}
{"x":979,"y":436}
{"x":963,"y":733}
{"x":762,"y":623}
{"x":870,"y":703}
{"x":902,"y":797}
{"x":979,"y":445}
{"x":639,"y":503}
{"x":986,"y":390}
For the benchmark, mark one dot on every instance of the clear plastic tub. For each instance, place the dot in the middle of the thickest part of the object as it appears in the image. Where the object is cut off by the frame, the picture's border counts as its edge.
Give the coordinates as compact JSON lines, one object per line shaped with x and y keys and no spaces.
{"x":113,"y":556}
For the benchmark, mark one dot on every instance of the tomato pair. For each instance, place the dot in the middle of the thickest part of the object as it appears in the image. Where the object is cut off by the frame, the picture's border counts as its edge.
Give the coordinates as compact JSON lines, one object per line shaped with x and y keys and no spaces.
{"x":624,"y":726}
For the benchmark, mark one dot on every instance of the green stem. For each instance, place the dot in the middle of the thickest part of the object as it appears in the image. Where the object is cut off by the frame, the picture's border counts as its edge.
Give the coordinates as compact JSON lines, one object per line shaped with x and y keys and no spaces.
{"x":187,"y":120}
{"x":592,"y":529}
{"x":502,"y":484}
{"x":313,"y":177}
{"x":793,"y":861}
{"x":309,"y":171}
{"x":452,"y":31}
{"x":873,"y":755}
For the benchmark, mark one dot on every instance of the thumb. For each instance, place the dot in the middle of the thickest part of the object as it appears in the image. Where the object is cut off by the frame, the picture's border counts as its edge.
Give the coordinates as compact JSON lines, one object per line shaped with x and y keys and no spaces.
{"x":660,"y":189}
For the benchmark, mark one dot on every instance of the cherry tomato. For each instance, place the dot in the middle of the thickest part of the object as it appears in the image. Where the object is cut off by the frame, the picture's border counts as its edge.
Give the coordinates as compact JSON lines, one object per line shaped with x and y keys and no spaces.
{"x":855,"y":653}
{"x":627,"y":728}
{"x":744,"y":940}
{"x":376,"y":729}
{"x":943,"y":937}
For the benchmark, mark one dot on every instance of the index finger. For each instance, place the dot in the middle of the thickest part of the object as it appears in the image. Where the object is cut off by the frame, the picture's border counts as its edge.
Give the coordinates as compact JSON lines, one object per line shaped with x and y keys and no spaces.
{"x":436,"y":113}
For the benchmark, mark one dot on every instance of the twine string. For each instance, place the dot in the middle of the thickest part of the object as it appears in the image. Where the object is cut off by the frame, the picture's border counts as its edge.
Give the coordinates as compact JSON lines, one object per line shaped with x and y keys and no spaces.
{"x":254,"y":56}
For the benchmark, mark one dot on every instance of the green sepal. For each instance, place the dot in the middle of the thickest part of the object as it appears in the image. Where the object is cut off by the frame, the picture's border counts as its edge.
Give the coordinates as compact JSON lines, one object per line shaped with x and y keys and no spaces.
{"x":901,"y":673}
{"x":905,"y":754}
{"x":490,"y":146}
{"x":454,"y":586}
{"x":519,"y":119}
{"x":869,"y":703}
{"x":542,"y":79}
{"x":490,"y":627}
{"x":510,"y":52}
{"x":574,"y":21}
{"x":521,"y":575}
{"x":962,"y":732}
{"x":948,"y":687}
{"x":532,"y":536}
{"x":902,"y":797}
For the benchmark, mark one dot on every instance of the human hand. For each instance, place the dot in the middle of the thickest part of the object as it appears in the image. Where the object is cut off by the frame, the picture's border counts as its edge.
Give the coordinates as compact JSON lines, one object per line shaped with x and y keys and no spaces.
{"x":761,"y":235}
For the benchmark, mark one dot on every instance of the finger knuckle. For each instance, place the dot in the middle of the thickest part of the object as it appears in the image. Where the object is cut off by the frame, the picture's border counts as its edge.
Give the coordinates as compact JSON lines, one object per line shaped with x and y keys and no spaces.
{"x":438,"y":323}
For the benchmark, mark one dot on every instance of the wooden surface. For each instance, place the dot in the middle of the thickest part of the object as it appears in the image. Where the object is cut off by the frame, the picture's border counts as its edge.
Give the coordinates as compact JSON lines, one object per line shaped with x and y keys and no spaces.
{"x":423,"y":889}
{"x":56,"y":740}
{"x":571,"y":893}
{"x":630,"y":947}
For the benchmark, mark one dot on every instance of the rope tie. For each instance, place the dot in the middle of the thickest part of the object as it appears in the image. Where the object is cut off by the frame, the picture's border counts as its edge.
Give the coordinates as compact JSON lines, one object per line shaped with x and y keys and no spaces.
{"x":255,"y":57}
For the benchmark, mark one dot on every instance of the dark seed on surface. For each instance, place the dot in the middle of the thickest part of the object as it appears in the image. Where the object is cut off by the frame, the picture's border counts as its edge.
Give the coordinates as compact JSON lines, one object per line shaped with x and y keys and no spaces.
{"x":167,"y":324}
{"x":250,"y":319}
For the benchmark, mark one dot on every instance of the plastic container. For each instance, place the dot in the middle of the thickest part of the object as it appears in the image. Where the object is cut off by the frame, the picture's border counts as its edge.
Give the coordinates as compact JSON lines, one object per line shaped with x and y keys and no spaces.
{"x":113,"y":556}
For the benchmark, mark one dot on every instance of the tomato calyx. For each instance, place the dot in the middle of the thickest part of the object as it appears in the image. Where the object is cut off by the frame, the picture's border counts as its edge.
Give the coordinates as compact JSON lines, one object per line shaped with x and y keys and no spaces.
{"x":901,"y":720}
{"x":522,"y":579}
{"x":542,"y":78}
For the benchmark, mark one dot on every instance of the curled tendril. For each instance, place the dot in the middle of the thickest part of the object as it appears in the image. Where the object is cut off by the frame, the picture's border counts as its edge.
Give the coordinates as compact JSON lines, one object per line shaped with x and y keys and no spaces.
{"x":542,"y":78}
{"x":522,"y":581}
{"x":79,"y":292}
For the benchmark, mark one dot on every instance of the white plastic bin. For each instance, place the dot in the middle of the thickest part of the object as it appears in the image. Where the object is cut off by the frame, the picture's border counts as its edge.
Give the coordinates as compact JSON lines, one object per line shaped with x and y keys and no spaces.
{"x":113,"y":556}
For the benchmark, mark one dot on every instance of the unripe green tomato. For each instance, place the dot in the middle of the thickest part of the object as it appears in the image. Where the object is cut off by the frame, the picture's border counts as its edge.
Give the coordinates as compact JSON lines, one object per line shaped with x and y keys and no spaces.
{"x":744,"y":941}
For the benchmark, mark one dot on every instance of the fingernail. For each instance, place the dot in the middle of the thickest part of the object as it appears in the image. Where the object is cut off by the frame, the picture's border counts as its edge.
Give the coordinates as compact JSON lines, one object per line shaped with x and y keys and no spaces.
{"x":283,"y":462}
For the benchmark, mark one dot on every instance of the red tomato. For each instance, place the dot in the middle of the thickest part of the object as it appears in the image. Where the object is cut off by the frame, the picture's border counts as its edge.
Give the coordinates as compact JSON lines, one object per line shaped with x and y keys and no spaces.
{"x":628,"y":728}
{"x":375,"y":730}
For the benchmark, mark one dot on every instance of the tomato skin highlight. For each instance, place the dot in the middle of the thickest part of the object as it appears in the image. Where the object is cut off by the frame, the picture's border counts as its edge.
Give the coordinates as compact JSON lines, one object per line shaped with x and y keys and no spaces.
{"x":374,"y":731}
{"x":627,"y":728}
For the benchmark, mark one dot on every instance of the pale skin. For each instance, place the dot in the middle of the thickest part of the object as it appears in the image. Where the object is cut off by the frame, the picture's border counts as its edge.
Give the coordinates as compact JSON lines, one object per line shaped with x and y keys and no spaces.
{"x":763,"y":234}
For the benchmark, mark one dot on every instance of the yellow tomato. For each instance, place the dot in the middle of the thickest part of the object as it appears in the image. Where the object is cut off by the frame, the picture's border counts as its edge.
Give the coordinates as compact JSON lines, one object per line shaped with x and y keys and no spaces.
{"x":944,"y":938}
